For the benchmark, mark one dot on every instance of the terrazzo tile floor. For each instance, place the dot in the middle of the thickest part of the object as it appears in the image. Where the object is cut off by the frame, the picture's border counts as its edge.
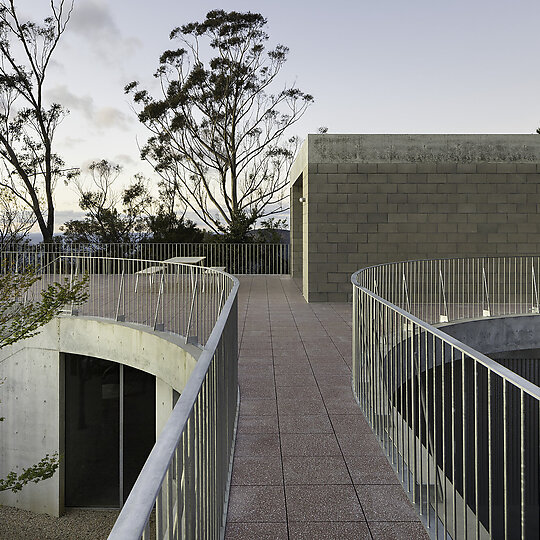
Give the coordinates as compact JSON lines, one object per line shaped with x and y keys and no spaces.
{"x":306,"y":464}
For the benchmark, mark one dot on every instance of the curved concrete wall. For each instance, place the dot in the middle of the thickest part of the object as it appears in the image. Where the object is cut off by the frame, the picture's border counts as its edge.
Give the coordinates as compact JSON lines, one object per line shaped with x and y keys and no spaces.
{"x":32,"y":395}
{"x":497,"y":334}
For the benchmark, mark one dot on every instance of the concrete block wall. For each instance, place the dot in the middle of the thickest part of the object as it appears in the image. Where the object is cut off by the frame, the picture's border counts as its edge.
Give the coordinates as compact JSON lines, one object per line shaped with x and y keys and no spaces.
{"x":365,"y":208}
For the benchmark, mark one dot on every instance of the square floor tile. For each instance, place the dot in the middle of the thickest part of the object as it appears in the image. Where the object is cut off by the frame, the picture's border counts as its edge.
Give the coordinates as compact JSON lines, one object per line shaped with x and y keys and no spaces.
{"x":386,"y":503}
{"x":330,"y":530}
{"x":322,"y":503}
{"x":259,"y":531}
{"x":312,"y":423}
{"x":352,"y":424}
{"x":256,"y":503}
{"x":285,"y":378}
{"x":256,"y":407}
{"x":341,"y":405}
{"x":371,"y":469}
{"x":309,"y":444}
{"x":398,"y":530}
{"x":257,"y":471}
{"x":359,"y":444}
{"x":257,"y":445}
{"x":298,"y":392}
{"x":315,"y":470}
{"x":257,"y":424}
{"x":336,"y":392}
{"x":300,"y":405}
{"x":258,"y":390}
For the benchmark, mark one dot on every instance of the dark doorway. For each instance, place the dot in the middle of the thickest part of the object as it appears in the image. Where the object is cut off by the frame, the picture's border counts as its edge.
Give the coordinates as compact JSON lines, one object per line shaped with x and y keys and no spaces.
{"x":110,"y":429}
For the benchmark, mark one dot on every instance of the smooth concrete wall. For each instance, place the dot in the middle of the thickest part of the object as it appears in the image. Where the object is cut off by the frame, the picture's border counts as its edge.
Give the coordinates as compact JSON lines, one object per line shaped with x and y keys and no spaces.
{"x":374,"y":199}
{"x":497,"y":334}
{"x":297,"y":231}
{"x":32,"y":395}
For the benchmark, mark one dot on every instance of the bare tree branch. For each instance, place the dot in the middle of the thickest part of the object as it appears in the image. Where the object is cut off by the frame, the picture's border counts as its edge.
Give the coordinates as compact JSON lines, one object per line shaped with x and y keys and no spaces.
{"x":26,"y":126}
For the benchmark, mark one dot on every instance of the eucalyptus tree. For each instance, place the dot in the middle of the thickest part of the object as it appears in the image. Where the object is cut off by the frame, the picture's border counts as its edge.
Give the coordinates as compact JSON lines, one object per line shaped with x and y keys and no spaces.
{"x":16,"y":219}
{"x":27,"y":125}
{"x":219,"y":126}
{"x":105,"y":222}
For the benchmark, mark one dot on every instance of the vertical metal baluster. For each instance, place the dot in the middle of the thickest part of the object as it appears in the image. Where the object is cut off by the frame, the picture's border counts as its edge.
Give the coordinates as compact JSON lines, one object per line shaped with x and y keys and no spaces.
{"x":452,"y":381}
{"x":522,"y":460}
{"x":403,"y":389}
{"x":169,"y":485}
{"x":426,"y":428}
{"x":476,"y":443}
{"x":505,"y":459}
{"x":159,"y":514}
{"x":435,"y":431}
{"x":464,"y":443}
{"x":490,"y":459}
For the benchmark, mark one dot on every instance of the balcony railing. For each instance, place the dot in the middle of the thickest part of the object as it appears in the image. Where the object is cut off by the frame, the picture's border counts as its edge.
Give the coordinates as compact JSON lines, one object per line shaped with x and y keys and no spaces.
{"x":236,"y":258}
{"x":185,"y":480}
{"x":461,"y":431}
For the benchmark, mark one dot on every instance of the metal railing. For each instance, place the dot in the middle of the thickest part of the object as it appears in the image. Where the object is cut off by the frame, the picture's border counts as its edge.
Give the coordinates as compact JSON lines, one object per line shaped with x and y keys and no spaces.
{"x":185,"y":481}
{"x":461,"y":431}
{"x":236,"y":258}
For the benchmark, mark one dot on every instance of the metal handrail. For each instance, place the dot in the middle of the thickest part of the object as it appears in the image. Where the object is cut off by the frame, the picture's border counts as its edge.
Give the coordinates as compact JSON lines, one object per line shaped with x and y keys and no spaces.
{"x":237,"y":258}
{"x":460,"y":429}
{"x":495,"y":367}
{"x":185,"y":479}
{"x":134,"y":517}
{"x":110,"y":277}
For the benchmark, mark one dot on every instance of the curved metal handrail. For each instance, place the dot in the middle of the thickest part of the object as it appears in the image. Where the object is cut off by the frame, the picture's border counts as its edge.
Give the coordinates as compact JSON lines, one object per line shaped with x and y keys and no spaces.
{"x":134,"y":517}
{"x":186,"y":477}
{"x":183,"y":299}
{"x":518,"y":381}
{"x":460,"y":429}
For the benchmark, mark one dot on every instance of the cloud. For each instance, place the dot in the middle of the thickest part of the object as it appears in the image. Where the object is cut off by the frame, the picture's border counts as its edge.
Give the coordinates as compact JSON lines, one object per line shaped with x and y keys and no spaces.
{"x":61,"y":94}
{"x":72,"y":142}
{"x":110,"y":117}
{"x":93,"y":22}
{"x":101,"y":117}
{"x":125,"y":160}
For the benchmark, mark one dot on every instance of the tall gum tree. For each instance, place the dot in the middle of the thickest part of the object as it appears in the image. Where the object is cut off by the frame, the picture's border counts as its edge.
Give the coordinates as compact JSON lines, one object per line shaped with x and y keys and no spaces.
{"x":219,"y":126}
{"x":30,"y":167}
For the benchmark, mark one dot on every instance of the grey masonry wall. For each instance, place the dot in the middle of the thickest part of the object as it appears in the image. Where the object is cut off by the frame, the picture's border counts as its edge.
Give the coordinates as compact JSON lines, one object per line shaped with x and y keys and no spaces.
{"x":371,"y":199}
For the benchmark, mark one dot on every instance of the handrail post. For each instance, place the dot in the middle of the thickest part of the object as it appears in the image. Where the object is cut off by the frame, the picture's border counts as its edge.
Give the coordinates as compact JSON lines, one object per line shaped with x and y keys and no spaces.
{"x":161,"y":325}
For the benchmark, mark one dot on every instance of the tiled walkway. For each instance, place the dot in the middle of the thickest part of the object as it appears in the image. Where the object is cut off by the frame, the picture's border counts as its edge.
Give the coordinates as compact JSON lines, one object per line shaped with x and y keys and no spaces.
{"x":306,"y":463}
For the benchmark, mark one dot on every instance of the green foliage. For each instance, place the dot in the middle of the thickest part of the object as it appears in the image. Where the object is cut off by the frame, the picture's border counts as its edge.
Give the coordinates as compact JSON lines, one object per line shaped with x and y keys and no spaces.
{"x":104,"y":223}
{"x":169,"y":228}
{"x":42,"y":470}
{"x":238,"y":228}
{"x":20,"y":316}
{"x":269,"y":231}
{"x":217,"y":131}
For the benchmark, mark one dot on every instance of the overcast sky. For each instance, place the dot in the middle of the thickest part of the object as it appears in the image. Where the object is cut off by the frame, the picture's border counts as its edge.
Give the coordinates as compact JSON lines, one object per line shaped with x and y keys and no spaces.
{"x":373,"y":66}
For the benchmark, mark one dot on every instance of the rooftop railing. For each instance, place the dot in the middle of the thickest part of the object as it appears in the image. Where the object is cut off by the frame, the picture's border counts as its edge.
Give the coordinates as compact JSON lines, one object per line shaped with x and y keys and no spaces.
{"x":461,"y":430}
{"x":184,"y":483}
{"x":251,"y":258}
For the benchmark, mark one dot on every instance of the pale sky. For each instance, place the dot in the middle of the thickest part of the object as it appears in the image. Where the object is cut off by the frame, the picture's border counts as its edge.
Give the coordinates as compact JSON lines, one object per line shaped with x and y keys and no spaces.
{"x":377,"y":66}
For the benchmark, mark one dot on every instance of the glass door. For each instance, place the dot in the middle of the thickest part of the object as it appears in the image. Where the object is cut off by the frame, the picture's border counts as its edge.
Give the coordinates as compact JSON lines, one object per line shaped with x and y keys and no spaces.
{"x":109,"y":428}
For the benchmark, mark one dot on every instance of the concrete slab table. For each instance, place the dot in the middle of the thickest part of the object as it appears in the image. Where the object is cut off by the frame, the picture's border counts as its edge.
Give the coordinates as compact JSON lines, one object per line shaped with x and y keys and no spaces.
{"x":196,"y":261}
